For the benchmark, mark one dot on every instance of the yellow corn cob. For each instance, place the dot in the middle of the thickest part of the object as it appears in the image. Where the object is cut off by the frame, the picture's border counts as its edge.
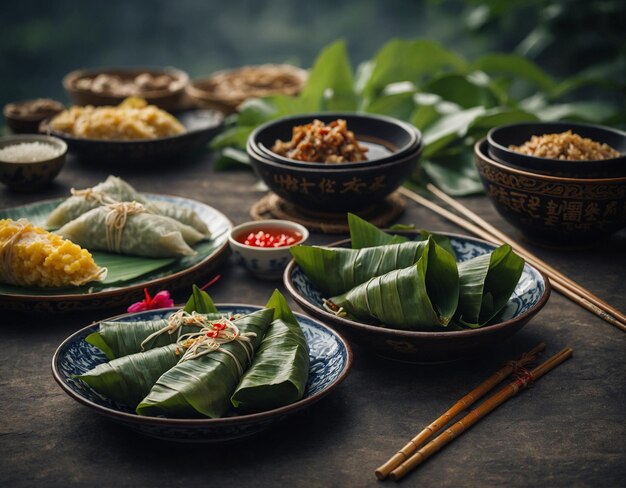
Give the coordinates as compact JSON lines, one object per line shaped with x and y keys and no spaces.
{"x":31,"y":256}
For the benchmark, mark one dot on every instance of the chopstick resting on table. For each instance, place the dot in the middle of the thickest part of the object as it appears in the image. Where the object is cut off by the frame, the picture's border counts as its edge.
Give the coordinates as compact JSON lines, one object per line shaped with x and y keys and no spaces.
{"x":511,"y":367}
{"x":522,"y":381}
{"x":483,"y":229}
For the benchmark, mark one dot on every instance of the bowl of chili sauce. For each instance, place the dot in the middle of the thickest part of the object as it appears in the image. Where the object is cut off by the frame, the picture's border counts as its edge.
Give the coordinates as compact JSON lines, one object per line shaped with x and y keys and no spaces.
{"x":262,"y":246}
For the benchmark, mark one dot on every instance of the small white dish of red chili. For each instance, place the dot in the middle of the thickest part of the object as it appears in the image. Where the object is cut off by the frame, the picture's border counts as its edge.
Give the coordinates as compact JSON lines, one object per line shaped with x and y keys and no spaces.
{"x":262,"y":246}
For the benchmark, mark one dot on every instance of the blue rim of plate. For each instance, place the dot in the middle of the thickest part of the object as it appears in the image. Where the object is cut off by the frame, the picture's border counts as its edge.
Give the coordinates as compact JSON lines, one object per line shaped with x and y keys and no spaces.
{"x":219,"y":225}
{"x":308,"y":324}
{"x":320,"y":312}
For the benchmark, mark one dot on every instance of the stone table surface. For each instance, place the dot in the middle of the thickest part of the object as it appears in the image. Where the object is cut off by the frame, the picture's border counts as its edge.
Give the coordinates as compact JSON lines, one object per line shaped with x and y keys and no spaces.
{"x":567,"y":430}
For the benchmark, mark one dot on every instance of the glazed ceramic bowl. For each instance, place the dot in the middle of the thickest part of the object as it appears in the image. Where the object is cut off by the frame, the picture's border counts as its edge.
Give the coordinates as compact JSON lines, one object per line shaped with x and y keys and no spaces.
{"x":530,"y":295}
{"x":201,"y":126}
{"x":335,"y":188}
{"x":24,"y":117}
{"x":500,"y":138}
{"x":330,"y":361}
{"x":169,"y":98}
{"x":553,"y":210}
{"x":226,"y":90}
{"x":265,"y":262}
{"x":31,"y":176}
{"x":387,"y":139}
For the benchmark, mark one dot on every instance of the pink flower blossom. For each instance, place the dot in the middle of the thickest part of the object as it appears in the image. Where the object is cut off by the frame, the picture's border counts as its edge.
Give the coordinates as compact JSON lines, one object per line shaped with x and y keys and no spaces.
{"x":160,"y":300}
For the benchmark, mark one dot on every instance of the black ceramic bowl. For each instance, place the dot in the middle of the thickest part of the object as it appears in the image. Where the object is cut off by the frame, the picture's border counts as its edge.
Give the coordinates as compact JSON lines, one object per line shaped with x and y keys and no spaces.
{"x":386,"y":138}
{"x":553,"y":210}
{"x":335,"y":189}
{"x":500,"y":138}
{"x":201,"y":125}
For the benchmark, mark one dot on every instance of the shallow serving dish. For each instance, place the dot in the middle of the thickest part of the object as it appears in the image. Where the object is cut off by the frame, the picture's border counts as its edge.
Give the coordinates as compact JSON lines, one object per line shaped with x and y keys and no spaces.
{"x":167,"y":98}
{"x":386,"y":138}
{"x":330,"y":356}
{"x":500,"y":138}
{"x":265,"y":262}
{"x":529,"y":297}
{"x":553,"y":210}
{"x":29,"y":176}
{"x":201,"y":125}
{"x":180,"y":274}
{"x":225,"y":90}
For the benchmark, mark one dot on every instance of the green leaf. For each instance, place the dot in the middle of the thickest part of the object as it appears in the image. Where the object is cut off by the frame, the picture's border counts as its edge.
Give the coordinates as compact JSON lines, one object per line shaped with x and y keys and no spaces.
{"x":232,"y":158}
{"x":330,"y":85}
{"x":128,"y":379}
{"x":515,"y":66}
{"x":463,"y":90}
{"x":399,"y":105}
{"x":200,"y":302}
{"x":119,"y":339}
{"x":420,"y":297}
{"x":363,"y":234}
{"x":233,"y":136}
{"x":280,"y":369}
{"x":486,"y":284}
{"x":415,"y":61}
{"x":335,"y":270}
{"x":202,"y":387}
{"x":123,"y":268}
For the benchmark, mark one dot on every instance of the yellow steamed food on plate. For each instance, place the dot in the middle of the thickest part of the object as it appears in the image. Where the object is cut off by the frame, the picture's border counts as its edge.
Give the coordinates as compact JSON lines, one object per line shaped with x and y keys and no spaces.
{"x":132,"y":119}
{"x":31,"y":256}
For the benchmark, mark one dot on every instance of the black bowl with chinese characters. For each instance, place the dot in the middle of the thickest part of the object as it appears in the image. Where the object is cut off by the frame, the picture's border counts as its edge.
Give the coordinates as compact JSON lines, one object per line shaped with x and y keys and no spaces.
{"x":333,"y":188}
{"x":566,"y":212}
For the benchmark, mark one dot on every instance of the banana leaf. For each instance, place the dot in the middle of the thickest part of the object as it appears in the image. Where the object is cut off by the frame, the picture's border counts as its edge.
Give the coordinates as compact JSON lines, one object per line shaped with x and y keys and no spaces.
{"x":280,"y":369}
{"x":128,"y":379}
{"x":420,"y":297}
{"x":335,"y":270}
{"x":200,"y":302}
{"x":363,"y":234}
{"x":486,"y":284}
{"x":117,"y":339}
{"x":202,"y":387}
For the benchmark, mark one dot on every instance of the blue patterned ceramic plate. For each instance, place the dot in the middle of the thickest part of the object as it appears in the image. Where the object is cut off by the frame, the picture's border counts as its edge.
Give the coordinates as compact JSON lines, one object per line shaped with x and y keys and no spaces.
{"x":181,"y":273}
{"x":330,"y":357}
{"x":530,"y":295}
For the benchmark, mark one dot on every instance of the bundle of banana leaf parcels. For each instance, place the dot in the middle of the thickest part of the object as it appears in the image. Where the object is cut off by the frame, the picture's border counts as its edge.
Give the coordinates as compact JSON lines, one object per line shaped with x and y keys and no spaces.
{"x":196,"y":362}
{"x":393,"y":281}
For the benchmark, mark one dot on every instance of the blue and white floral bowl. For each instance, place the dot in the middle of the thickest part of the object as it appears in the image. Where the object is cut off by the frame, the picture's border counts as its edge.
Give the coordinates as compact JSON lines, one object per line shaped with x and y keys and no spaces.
{"x":530,"y":295}
{"x":330,"y":360}
{"x":267,"y":263}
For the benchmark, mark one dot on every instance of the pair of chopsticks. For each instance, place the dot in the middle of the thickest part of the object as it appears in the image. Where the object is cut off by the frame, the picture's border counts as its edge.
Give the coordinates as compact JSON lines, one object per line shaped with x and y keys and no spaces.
{"x":418,"y":449}
{"x":483,"y":229}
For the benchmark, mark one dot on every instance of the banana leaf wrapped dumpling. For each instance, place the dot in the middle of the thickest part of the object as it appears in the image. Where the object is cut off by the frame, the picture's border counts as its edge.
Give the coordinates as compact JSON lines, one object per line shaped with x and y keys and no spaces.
{"x":335,"y":270}
{"x":114,"y":190}
{"x":129,"y":228}
{"x":202,"y":383}
{"x":280,"y":369}
{"x":118,"y":339}
{"x":420,"y":297}
{"x":129,"y":378}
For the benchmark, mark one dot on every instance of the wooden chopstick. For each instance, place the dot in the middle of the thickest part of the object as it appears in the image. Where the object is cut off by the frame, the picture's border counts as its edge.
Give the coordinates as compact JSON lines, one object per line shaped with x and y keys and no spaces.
{"x":473,"y":396}
{"x":478,"y":413}
{"x":560,"y":283}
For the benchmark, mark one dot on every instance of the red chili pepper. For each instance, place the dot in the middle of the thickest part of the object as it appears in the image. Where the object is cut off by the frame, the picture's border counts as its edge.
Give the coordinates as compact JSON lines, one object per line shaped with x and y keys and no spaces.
{"x":219,"y":326}
{"x":276,"y":238}
{"x":213,"y":333}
